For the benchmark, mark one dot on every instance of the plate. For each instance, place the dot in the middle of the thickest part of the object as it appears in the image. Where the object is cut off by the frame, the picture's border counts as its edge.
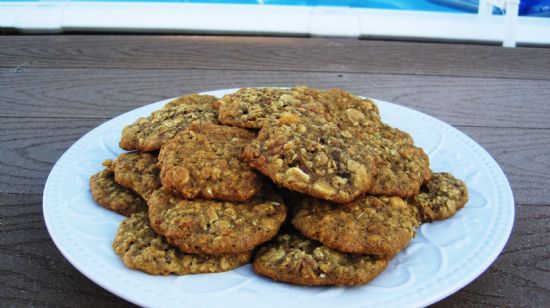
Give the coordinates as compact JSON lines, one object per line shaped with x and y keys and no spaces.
{"x":442,"y":258}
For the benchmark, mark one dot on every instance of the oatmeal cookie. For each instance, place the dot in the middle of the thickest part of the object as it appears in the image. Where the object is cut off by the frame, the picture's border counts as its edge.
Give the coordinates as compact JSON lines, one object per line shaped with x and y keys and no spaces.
{"x":148,"y":134}
{"x":401,"y":166}
{"x":379,"y":226}
{"x":296,"y":260}
{"x":316,"y":158}
{"x":257,"y":107}
{"x":137,"y":171}
{"x":215,"y":227}
{"x":394,"y":135}
{"x":205,"y":161}
{"x":114,"y":197}
{"x":441,"y":197}
{"x":141,"y":248}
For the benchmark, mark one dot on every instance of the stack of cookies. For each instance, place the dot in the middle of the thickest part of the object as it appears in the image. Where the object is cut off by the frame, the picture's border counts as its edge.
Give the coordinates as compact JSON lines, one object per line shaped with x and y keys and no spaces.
{"x":210,"y":183}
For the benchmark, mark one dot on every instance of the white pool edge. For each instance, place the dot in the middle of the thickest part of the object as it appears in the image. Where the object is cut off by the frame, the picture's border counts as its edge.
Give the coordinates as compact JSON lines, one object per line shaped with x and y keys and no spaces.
{"x":60,"y":16}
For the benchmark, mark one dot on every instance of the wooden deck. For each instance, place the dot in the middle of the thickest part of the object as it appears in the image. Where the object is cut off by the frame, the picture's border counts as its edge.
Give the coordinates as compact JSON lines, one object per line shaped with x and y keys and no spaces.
{"x":53,"y":89}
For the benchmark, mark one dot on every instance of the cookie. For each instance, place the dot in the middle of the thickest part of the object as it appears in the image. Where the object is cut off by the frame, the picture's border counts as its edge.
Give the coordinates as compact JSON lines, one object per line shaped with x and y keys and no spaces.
{"x":107,"y":193}
{"x":401,"y":167}
{"x":137,"y":171}
{"x":141,"y":248}
{"x":379,"y":226}
{"x":216,"y":227}
{"x":149,"y":133}
{"x":441,"y":197}
{"x":313,"y":157}
{"x":204,"y":161}
{"x":350,"y":111}
{"x":257,"y":107}
{"x":394,"y":135}
{"x":296,"y":260}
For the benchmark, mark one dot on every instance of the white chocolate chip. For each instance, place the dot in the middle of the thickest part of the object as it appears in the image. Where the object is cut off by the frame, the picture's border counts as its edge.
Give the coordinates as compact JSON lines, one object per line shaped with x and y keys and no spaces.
{"x":324,"y":188}
{"x":296,"y":174}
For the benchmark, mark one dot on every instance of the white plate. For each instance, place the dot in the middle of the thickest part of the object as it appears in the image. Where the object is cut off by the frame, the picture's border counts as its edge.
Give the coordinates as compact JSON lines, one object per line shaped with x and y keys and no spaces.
{"x":442,"y":258}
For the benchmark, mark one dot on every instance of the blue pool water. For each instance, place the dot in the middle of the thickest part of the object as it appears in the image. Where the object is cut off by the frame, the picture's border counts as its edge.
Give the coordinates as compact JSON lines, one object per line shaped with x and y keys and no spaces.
{"x":537,"y":8}
{"x":415,"y":5}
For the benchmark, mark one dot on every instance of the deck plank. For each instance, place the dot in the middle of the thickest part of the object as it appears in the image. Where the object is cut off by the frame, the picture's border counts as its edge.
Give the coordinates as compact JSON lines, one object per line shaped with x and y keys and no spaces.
{"x":95,"y":93}
{"x":273,"y":53}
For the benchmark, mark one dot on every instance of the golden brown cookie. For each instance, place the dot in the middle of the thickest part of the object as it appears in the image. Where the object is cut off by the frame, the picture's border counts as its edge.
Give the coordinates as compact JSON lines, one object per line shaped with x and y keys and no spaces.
{"x":148,"y":134}
{"x":141,"y":248}
{"x":401,"y":166}
{"x":313,"y":157}
{"x":257,"y":107}
{"x":441,"y":197}
{"x":379,"y":226}
{"x":112,"y":196}
{"x":350,"y":111}
{"x":296,"y":260}
{"x":205,"y":161}
{"x":137,"y":171}
{"x":394,"y":135}
{"x":216,"y":227}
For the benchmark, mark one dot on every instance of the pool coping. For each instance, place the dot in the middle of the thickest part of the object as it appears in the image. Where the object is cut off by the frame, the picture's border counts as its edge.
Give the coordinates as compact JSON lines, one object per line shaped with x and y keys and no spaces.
{"x":324,"y":21}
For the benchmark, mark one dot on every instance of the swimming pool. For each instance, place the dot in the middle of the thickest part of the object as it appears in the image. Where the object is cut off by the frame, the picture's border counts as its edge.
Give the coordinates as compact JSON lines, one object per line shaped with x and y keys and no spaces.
{"x":415,"y":5}
{"x":420,"y":19}
{"x":419,"y":5}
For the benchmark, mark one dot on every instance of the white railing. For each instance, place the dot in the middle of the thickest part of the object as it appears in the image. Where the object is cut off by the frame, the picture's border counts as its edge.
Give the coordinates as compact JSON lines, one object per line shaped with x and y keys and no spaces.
{"x":59,"y":16}
{"x":511,"y":9}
